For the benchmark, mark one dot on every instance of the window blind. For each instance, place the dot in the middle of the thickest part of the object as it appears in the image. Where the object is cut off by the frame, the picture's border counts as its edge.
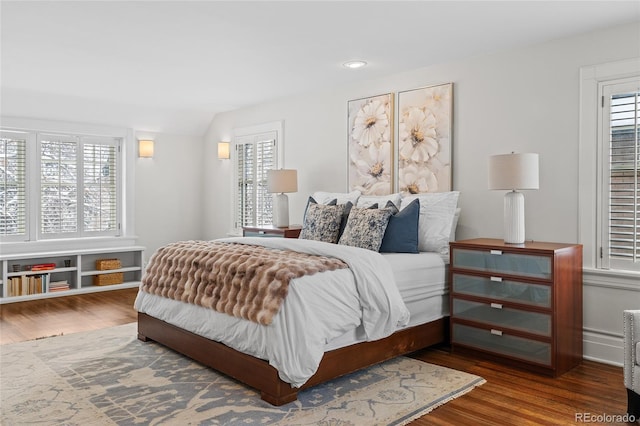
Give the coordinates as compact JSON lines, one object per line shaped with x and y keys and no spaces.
{"x":255,"y":155}
{"x":624,"y":177}
{"x":99,"y":187}
{"x":78,"y":185}
{"x":55,"y":185}
{"x":245,"y":200}
{"x":13,"y":201}
{"x":58,"y":184}
{"x":265,"y":150}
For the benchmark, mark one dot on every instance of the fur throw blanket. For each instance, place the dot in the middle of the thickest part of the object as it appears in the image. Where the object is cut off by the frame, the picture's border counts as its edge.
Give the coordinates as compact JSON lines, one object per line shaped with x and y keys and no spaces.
{"x":242,"y":280}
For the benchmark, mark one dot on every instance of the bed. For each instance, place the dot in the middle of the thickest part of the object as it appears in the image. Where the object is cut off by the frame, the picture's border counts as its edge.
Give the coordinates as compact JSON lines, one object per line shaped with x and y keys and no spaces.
{"x":331,"y":323}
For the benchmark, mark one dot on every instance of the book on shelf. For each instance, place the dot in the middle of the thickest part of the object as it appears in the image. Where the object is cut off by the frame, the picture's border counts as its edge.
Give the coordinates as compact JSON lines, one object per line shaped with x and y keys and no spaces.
{"x":27,"y":284}
{"x":58,"y":285}
{"x":43,"y":267}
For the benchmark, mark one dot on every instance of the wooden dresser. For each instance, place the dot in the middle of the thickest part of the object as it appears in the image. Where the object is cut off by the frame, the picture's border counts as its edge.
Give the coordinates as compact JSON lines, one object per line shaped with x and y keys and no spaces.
{"x":291,"y":231}
{"x":518,"y":303}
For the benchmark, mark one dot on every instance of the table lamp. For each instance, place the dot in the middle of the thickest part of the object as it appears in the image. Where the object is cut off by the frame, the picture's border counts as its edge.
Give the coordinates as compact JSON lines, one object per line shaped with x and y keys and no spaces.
{"x":513,"y":171}
{"x":281,"y":181}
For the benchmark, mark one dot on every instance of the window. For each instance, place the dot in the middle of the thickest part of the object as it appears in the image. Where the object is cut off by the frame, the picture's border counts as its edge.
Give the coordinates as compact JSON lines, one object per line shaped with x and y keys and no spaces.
{"x":608,"y":209}
{"x":620,"y":190}
{"x":254,"y":156}
{"x":100,"y":185}
{"x":58,"y":186}
{"x":256,"y":150}
{"x":13,"y":200}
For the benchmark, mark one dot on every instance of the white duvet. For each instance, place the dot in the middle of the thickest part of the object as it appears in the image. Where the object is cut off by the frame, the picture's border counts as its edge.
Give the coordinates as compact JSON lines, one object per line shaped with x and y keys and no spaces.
{"x":317,"y":309}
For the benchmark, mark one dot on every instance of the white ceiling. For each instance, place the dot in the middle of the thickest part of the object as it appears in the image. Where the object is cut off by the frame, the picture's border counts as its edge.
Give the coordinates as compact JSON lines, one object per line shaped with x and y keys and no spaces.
{"x":154,"y":61}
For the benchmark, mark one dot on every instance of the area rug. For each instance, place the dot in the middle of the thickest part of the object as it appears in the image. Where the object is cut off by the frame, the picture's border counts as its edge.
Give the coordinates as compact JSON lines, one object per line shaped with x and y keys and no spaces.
{"x":108,"y":377}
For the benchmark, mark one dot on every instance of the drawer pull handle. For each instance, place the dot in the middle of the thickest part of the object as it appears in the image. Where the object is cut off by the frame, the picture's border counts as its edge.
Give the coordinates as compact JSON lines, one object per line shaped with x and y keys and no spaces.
{"x":496,"y":332}
{"x":497,"y":279}
{"x":498,"y":252}
{"x":496,"y":305}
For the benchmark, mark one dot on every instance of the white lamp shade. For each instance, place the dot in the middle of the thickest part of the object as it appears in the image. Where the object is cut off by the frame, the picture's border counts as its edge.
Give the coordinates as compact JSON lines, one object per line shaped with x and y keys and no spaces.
{"x":514,"y":171}
{"x":282,"y":180}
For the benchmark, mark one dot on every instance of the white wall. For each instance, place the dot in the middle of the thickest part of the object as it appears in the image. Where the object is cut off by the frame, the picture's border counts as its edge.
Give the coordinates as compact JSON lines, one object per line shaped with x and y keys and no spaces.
{"x":168,"y":191}
{"x":525,"y":101}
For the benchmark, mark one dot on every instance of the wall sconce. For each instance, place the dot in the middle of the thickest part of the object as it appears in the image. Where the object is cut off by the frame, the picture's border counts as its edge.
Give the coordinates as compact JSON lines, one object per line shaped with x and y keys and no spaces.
{"x":224,"y":150}
{"x":145,"y":148}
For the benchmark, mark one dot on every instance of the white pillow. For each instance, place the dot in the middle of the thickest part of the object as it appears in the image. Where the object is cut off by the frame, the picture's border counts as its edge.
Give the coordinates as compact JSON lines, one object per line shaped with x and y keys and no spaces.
{"x":437,"y":212}
{"x":342,"y":197}
{"x":368,"y":200}
{"x":456,"y":217}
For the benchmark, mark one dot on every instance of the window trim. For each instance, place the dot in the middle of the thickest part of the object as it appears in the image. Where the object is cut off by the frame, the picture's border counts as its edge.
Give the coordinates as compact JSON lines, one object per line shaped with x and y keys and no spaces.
{"x":126,"y":186}
{"x":605,"y":90}
{"x":590,"y":162}
{"x":238,"y":134}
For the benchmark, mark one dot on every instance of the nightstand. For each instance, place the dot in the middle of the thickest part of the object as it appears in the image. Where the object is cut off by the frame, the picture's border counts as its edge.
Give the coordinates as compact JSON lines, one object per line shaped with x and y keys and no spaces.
{"x":291,"y":231}
{"x":520,"y":304}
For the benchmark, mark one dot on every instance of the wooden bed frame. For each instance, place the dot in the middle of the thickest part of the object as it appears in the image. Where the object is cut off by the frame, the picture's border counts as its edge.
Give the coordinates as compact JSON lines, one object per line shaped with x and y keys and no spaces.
{"x":258,"y":374}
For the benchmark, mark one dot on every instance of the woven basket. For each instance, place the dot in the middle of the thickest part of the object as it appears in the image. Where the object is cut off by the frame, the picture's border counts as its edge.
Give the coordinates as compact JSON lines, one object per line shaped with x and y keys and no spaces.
{"x":108,"y":279}
{"x":106,"y":264}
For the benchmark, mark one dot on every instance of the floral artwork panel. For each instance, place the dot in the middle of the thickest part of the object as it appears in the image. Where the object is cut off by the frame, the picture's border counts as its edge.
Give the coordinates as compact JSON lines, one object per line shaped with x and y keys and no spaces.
{"x":370,"y":122}
{"x":424,"y":139}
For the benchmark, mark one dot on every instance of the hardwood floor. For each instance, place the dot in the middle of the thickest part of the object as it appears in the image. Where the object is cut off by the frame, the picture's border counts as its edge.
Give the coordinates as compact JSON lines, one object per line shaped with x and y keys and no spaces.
{"x":514,"y":397}
{"x":63,"y":315}
{"x":510,"y":396}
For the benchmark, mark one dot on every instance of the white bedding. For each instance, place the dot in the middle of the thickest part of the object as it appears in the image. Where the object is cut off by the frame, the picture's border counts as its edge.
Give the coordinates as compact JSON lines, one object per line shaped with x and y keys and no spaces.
{"x":421,"y":280}
{"x":322,"y":312}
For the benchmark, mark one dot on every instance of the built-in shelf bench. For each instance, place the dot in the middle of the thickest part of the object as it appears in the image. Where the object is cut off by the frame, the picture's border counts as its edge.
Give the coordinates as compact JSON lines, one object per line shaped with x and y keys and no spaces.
{"x":66,"y":272}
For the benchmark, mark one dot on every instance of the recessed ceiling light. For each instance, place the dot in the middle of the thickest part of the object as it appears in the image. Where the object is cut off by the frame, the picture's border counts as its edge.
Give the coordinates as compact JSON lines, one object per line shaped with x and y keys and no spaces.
{"x":355,"y":64}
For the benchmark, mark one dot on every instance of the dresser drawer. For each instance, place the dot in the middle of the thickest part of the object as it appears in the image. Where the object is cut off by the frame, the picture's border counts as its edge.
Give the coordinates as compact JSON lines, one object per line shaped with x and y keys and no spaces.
{"x":495,"y":341}
{"x":499,"y":262}
{"x":504,"y":290}
{"x":496,"y":315}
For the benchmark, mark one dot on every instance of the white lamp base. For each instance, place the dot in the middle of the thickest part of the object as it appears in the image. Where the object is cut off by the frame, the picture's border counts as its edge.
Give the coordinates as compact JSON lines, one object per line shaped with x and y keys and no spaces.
{"x":514,"y":217}
{"x":280,"y":210}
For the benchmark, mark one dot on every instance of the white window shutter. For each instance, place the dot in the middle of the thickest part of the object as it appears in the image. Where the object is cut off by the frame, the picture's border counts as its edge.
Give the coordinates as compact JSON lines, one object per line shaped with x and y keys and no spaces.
{"x":78,"y":186}
{"x":100,"y":185}
{"x":58,"y":185}
{"x":255,"y":154}
{"x":265,"y":152}
{"x":13,"y":202}
{"x":622,"y":117}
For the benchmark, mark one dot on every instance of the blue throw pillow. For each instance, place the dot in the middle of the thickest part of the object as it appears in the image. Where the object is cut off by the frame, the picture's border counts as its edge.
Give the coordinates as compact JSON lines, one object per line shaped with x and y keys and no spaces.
{"x":401,"y":235}
{"x":345,"y":215}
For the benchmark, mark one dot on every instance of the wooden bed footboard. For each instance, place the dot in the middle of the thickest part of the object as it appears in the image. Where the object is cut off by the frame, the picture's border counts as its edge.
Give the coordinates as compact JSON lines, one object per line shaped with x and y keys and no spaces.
{"x":258,"y":374}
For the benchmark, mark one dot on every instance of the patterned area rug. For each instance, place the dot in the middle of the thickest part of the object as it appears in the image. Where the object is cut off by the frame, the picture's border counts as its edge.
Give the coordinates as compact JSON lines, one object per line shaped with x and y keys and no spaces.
{"x":108,"y":377}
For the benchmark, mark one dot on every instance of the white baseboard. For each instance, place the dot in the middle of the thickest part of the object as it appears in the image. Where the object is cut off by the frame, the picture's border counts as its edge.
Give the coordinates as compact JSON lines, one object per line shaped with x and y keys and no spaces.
{"x":603,"y":347}
{"x":606,"y":294}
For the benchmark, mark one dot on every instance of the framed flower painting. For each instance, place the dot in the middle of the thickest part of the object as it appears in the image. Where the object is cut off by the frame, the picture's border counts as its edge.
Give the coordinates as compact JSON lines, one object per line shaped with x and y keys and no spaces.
{"x":424,"y":139}
{"x":370,"y":135}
